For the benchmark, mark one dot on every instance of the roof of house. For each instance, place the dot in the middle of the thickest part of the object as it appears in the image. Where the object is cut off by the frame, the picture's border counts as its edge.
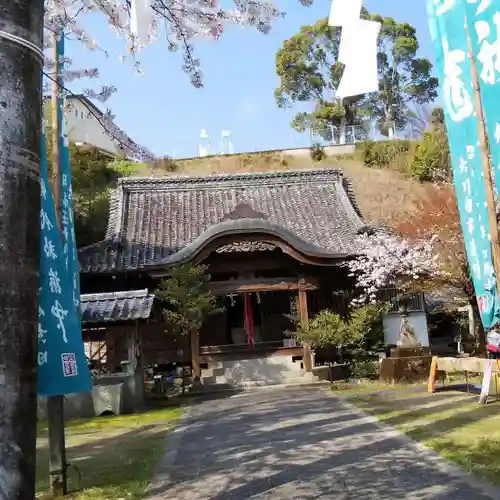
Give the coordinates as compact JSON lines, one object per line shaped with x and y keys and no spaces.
{"x":165,"y":221}
{"x":122,"y":140}
{"x":116,"y":306}
{"x":445,"y":298}
{"x":79,"y":97}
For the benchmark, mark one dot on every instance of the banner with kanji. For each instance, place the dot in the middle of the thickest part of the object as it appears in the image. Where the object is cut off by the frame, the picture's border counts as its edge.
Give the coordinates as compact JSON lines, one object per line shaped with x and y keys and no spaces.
{"x":62,"y":365}
{"x":449,"y":38}
{"x":483,"y":19}
{"x":67,"y":221}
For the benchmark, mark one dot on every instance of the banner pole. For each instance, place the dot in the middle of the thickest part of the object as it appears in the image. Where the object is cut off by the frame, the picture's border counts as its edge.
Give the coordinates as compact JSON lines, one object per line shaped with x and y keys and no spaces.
{"x":55,"y":404}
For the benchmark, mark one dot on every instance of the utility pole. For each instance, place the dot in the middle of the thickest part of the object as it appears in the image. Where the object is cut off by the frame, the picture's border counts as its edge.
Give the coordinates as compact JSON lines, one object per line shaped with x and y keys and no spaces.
{"x":21,"y":26}
{"x":55,"y":404}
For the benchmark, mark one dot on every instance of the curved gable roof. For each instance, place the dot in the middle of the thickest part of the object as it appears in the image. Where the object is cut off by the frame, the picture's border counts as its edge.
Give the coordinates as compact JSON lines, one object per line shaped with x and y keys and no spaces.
{"x":155,"y":221}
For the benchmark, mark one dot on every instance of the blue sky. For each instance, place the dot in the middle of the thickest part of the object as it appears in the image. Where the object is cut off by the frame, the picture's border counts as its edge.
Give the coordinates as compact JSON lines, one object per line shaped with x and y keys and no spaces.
{"x":162,"y":111}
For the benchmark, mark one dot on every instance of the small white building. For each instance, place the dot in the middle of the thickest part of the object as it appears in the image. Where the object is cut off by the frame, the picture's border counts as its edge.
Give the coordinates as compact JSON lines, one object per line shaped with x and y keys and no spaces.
{"x":85,"y":127}
{"x":412,"y":310}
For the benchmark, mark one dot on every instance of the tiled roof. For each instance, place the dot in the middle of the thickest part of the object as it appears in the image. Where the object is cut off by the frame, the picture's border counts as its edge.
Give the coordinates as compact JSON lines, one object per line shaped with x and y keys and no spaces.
{"x":116,"y":306}
{"x":162,"y":221}
{"x":445,"y":298}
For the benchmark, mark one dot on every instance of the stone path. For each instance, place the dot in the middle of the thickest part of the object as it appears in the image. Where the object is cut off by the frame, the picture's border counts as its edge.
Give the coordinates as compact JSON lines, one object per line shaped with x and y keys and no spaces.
{"x":301,"y":444}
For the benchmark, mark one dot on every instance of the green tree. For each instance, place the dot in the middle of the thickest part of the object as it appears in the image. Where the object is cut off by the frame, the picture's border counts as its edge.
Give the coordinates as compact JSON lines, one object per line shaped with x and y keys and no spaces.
{"x":437,"y":117}
{"x":360,"y":336}
{"x":94,"y":174}
{"x":431,"y":160}
{"x":366,"y":324}
{"x":92,"y":179}
{"x":309,"y":72}
{"x":328,"y":329}
{"x":185,"y":299}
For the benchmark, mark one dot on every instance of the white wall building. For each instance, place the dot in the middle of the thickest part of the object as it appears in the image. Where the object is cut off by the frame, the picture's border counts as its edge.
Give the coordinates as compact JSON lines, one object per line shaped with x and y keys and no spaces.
{"x":85,"y":128}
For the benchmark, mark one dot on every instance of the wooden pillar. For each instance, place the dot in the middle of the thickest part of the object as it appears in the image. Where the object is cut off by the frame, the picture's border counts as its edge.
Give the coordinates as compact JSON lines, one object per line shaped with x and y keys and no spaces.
{"x":195,"y":356}
{"x":134,"y":366}
{"x":134,"y":350}
{"x":304,"y":319}
{"x":131,"y":352}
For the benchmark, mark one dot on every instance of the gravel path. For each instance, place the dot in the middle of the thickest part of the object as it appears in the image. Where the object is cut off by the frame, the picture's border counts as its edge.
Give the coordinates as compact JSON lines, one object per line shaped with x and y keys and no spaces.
{"x":301,"y":444}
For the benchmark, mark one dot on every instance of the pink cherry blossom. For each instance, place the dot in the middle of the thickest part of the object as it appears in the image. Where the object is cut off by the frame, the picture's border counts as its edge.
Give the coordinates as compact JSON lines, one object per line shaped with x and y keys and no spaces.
{"x":178,"y":22}
{"x":386,"y":260}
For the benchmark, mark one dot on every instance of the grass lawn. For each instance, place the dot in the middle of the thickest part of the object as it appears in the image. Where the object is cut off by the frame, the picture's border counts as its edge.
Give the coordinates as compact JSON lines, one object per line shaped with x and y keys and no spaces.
{"x":364,"y":386}
{"x":450,"y":422}
{"x":116,"y":455}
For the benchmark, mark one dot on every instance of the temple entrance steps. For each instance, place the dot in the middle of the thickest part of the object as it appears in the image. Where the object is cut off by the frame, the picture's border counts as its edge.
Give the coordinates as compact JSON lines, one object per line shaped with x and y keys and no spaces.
{"x":256,"y":372}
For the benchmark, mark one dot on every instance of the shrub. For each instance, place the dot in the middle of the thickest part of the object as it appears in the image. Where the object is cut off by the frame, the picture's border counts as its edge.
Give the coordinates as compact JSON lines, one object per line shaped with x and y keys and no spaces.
{"x":165,"y":164}
{"x":358,"y":337}
{"x":369,"y":369}
{"x":317,"y":152}
{"x":385,"y":154}
{"x":366,"y":323}
{"x":325,"y":330}
{"x":430,"y":160}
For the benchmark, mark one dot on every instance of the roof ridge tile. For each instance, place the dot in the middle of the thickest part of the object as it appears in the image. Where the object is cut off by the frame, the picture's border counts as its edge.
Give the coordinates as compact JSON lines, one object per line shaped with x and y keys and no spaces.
{"x":260,"y":177}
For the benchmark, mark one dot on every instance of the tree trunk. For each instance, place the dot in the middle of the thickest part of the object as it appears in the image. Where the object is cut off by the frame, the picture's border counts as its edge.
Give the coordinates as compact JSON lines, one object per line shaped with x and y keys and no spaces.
{"x":469,"y":290}
{"x":480,"y":335}
{"x":20,"y":119}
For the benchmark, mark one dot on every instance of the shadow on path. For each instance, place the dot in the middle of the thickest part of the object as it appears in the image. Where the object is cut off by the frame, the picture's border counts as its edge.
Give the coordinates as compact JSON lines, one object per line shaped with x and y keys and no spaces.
{"x":301,"y":444}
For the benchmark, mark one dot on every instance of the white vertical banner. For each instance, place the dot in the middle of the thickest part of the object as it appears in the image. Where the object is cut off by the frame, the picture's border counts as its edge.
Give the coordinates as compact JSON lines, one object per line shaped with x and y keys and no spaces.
{"x":485,"y":386}
{"x":358,"y":48}
{"x":141,"y":17}
{"x":343,"y":12}
{"x":358,"y":52}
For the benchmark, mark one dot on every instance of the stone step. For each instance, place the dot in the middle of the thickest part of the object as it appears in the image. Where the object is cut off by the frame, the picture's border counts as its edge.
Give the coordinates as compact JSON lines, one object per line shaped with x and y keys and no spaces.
{"x":302,"y":382}
{"x":248,"y":374}
{"x":266,"y":383}
{"x":301,"y":379}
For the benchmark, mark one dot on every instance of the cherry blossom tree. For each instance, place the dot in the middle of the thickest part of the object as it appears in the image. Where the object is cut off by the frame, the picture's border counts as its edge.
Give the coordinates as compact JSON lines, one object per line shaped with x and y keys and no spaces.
{"x":438,"y":217}
{"x":387,"y":259}
{"x":140,"y":22}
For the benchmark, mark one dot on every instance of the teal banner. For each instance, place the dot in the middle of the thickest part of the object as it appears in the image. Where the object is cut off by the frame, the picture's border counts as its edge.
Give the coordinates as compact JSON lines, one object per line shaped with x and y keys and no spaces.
{"x":449,"y":38}
{"x":67,"y":217}
{"x":483,"y":19}
{"x":62,"y":365}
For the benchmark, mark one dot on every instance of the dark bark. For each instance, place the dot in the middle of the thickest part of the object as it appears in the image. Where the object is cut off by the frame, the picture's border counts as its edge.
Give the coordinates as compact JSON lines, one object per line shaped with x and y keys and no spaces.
{"x":20,"y":119}
{"x":469,"y":290}
{"x":480,"y":333}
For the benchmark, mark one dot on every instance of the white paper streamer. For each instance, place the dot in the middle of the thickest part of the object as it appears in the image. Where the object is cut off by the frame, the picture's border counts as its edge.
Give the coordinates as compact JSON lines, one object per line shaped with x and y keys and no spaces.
{"x":343,"y":12}
{"x":141,"y":17}
{"x":358,"y":51}
{"x":358,"y":48}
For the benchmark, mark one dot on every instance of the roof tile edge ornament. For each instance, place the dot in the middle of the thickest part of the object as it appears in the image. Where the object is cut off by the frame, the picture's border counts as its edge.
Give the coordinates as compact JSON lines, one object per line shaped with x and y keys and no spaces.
{"x":246,"y":246}
{"x":244,"y":211}
{"x":284,"y":176}
{"x":127,"y":294}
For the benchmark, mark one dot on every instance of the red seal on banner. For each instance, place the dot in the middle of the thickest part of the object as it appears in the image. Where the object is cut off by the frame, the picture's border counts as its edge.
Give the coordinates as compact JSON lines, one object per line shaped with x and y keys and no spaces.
{"x":483,"y":303}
